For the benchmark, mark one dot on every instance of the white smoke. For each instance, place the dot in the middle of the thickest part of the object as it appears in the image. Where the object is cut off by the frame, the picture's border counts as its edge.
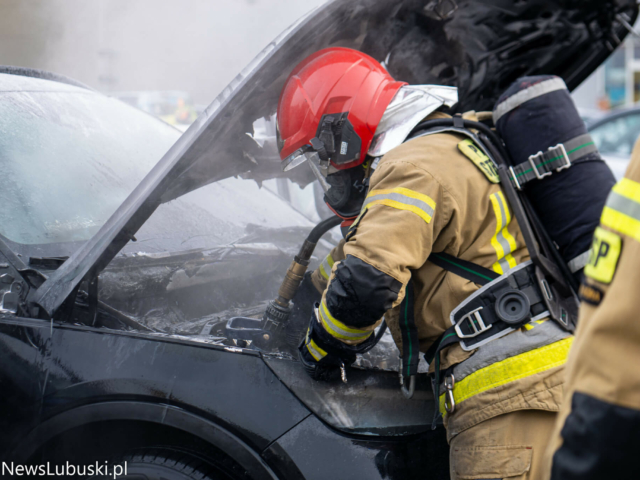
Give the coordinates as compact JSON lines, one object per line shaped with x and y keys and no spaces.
{"x":115,"y":45}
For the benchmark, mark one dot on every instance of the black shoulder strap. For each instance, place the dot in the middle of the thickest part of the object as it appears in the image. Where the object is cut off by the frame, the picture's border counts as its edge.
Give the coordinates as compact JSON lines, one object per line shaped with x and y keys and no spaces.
{"x":467,"y":270}
{"x":409,"y":331}
{"x":410,"y":342}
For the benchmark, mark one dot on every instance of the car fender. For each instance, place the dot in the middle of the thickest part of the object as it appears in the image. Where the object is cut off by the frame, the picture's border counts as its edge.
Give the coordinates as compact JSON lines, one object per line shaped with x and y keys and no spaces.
{"x":163,"y":414}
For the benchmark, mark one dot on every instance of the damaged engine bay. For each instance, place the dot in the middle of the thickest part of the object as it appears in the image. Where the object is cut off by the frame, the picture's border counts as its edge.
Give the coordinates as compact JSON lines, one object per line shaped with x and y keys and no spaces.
{"x":194,"y":294}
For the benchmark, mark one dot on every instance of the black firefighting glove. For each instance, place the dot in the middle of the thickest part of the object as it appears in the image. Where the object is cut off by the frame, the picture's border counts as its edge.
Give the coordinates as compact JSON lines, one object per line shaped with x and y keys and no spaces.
{"x":305,"y":298}
{"x":322,"y":356}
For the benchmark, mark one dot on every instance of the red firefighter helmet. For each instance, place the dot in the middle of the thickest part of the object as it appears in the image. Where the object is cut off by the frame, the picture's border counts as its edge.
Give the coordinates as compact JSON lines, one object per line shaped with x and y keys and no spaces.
{"x":332,"y":103}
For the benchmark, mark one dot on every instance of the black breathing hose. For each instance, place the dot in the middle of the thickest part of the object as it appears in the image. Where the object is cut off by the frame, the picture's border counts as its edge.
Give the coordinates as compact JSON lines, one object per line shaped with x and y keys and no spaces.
{"x":323,"y":227}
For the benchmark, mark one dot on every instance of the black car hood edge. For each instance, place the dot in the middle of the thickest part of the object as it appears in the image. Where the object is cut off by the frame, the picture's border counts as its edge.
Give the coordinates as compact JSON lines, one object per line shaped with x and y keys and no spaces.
{"x":479,"y":46}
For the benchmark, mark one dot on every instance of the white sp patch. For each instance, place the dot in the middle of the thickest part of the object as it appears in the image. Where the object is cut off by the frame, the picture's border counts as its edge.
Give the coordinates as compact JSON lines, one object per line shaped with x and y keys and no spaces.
{"x":343,"y":148}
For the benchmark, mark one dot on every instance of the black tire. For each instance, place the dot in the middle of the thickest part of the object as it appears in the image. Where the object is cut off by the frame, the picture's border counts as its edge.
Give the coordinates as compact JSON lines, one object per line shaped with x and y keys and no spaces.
{"x":165,"y":464}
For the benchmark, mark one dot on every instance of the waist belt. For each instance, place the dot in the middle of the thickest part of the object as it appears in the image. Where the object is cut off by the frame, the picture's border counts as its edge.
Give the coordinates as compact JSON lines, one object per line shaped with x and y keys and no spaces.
{"x":502,"y":372}
{"x":499,"y":307}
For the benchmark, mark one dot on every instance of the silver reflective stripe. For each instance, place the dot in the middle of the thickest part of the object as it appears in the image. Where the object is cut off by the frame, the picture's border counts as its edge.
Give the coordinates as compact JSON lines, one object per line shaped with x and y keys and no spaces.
{"x":524,"y":96}
{"x":335,"y":331}
{"x":509,"y":346}
{"x":398,"y":197}
{"x":500,"y":235}
{"x":624,"y":205}
{"x":579,"y":262}
{"x":504,"y":264}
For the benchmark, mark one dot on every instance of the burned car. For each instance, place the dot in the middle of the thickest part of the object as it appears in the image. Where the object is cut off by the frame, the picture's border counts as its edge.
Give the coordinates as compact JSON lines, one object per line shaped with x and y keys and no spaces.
{"x":127,"y":251}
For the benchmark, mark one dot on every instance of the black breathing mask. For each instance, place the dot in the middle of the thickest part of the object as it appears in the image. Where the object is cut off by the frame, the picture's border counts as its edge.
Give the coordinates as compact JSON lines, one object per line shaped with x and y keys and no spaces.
{"x":335,"y":144}
{"x":348,"y":189}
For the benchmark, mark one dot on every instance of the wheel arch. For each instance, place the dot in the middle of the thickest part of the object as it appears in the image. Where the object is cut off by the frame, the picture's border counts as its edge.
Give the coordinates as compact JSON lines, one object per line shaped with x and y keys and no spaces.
{"x":160,"y":417}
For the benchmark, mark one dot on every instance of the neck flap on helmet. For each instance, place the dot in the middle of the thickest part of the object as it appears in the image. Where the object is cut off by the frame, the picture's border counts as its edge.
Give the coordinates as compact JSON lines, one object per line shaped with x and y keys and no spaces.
{"x":410,"y":105}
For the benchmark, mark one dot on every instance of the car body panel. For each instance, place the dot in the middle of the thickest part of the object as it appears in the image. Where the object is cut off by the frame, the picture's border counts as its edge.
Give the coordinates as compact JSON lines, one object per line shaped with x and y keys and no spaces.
{"x":370,"y":403}
{"x":317,"y":453}
{"x":53,"y":369}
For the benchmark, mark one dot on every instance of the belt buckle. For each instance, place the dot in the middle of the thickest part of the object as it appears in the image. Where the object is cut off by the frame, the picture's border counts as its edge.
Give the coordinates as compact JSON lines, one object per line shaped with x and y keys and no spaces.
{"x":563,"y":152}
{"x":532,"y":161}
{"x":514,"y":179}
{"x":477,"y":324}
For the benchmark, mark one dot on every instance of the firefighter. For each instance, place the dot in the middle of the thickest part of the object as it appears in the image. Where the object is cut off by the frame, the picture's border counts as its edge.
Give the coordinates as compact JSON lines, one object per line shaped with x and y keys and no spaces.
{"x":596,"y":435}
{"x":341,"y":113}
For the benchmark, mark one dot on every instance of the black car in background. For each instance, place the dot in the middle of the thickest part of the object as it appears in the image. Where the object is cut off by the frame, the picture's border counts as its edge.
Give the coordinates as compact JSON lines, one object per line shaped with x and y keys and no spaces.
{"x":125,"y":249}
{"x":615,"y":135}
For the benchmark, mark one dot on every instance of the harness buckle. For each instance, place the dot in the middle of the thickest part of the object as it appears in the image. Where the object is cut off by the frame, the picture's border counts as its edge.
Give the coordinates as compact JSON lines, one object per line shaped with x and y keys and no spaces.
{"x":557,"y":152}
{"x":565,"y":157}
{"x":449,"y":401}
{"x":477,"y":324}
{"x":514,"y":179}
{"x":534,"y":167}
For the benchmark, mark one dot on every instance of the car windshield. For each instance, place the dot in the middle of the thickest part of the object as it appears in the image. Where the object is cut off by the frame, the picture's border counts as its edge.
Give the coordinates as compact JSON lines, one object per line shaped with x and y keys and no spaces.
{"x":69,"y":158}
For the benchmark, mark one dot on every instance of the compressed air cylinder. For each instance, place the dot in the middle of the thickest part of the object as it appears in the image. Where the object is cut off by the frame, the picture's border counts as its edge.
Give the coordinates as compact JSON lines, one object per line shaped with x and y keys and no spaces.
{"x":541,"y":127}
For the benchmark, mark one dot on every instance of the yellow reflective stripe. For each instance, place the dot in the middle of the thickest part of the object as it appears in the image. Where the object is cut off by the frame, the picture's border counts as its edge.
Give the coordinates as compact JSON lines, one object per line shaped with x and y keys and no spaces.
{"x":338,"y":329}
{"x":628,"y":188}
{"x":509,"y":370}
{"x":622,"y":212}
{"x":326,"y":266}
{"x":502,"y":241}
{"x":621,"y":223}
{"x":402,"y":199}
{"x":315,"y":351}
{"x":505,"y":230}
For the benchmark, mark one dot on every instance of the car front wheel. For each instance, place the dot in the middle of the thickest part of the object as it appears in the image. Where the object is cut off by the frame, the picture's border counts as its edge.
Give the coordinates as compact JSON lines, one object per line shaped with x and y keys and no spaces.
{"x":163,"y":464}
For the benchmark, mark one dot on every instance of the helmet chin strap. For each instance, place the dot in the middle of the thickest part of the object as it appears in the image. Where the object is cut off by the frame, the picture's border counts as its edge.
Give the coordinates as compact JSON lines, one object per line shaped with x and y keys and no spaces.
{"x":315,"y":168}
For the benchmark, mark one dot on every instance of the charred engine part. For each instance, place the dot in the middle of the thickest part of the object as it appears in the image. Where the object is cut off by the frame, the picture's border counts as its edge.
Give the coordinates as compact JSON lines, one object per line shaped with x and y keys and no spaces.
{"x":279,"y":310}
{"x":244,"y":330}
{"x":16,"y":281}
{"x":276,"y":316}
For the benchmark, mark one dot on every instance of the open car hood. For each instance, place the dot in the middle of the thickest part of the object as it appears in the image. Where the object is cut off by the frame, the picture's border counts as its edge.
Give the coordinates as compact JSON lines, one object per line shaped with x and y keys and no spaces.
{"x":479,"y":46}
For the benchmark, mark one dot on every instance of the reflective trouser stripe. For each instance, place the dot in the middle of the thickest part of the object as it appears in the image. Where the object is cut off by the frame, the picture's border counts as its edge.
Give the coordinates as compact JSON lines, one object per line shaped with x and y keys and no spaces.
{"x":315,"y":351}
{"x":326,"y":266}
{"x":509,"y":370}
{"x":502,"y":241}
{"x":338,"y":329}
{"x":403,"y":199}
{"x":622,"y":211}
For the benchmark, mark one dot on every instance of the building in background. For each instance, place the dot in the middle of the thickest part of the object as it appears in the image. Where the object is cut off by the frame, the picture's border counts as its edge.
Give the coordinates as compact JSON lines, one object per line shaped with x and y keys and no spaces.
{"x":614,"y":85}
